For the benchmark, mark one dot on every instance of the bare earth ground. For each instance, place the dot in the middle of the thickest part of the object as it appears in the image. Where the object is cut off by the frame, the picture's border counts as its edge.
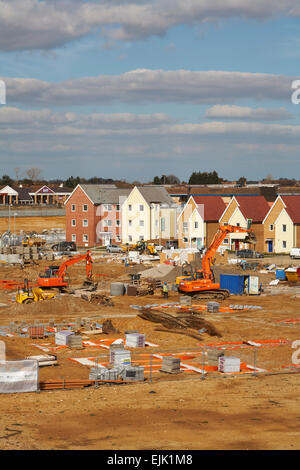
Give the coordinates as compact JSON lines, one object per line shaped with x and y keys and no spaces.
{"x":185,"y":412}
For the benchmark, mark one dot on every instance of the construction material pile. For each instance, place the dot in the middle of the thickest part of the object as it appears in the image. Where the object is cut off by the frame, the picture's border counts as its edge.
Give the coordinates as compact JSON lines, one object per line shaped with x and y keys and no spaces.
{"x":183,"y":323}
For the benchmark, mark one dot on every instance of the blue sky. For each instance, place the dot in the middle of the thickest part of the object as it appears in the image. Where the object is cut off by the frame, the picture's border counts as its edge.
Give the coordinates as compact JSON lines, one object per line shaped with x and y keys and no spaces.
{"x":137,"y":89}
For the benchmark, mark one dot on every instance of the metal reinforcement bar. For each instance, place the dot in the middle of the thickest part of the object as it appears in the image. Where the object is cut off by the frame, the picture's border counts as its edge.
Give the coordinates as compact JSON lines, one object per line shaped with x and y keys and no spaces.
{"x":71,"y":384}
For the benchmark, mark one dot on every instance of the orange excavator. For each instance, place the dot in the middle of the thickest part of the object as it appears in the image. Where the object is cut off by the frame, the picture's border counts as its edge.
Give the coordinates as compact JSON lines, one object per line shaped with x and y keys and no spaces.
{"x":203,"y":286}
{"x":55,"y":276}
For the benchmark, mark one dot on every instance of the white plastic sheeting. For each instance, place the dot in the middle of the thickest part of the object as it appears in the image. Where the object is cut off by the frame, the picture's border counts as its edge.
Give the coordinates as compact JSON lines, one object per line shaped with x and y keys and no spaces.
{"x":18,"y":376}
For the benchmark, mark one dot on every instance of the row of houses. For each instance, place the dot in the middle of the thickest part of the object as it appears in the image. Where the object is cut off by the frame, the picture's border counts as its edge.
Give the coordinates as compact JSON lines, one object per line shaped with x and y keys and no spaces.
{"x":33,"y":195}
{"x":276,"y":225}
{"x":103,"y":214}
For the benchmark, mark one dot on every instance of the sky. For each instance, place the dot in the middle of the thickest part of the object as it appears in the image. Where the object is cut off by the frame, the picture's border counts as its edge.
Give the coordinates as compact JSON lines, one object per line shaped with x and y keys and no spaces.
{"x":131,"y":89}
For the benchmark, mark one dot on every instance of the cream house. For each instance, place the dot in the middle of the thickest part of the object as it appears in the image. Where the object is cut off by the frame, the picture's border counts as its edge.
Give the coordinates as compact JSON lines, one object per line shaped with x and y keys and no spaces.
{"x":198,"y":221}
{"x":245,"y":211}
{"x":148,"y":213}
{"x":282,"y":224}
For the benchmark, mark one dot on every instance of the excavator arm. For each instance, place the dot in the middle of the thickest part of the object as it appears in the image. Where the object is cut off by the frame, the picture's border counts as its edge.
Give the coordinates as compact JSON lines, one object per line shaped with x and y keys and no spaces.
{"x":87,"y":257}
{"x":221,"y":234}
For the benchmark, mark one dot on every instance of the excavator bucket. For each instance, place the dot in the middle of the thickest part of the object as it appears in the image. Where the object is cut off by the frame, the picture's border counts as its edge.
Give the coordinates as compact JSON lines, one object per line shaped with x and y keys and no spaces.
{"x":250,"y":238}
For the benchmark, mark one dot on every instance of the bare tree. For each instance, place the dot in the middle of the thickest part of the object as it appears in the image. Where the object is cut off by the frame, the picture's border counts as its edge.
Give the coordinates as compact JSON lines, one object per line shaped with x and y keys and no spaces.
{"x":18,"y":174}
{"x":34,"y":173}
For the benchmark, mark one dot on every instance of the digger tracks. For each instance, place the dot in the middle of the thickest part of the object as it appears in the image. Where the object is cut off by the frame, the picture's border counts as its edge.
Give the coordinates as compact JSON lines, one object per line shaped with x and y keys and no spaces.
{"x":219,"y":294}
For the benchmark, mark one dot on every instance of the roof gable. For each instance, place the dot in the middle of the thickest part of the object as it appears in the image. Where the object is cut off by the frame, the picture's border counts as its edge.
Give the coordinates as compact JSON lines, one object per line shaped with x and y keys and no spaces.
{"x":253,"y":207}
{"x":214,"y":206}
{"x":292,"y":206}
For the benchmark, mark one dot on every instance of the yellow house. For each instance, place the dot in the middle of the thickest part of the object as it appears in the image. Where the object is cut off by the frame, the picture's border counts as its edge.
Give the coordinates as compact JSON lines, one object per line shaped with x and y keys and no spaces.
{"x":282,"y":224}
{"x":198,"y":221}
{"x":148,"y":213}
{"x":243,"y":211}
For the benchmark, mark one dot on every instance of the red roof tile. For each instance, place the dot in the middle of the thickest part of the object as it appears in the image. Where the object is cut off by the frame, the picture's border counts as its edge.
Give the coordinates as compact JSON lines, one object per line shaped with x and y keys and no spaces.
{"x":253,"y":207}
{"x":214,"y":207}
{"x":292,"y":207}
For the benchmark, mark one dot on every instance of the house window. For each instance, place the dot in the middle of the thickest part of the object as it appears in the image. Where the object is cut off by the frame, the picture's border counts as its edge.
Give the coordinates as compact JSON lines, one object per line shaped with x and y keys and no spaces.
{"x":225,"y":223}
{"x":156,"y":223}
{"x":130,"y":223}
{"x":185,"y":239}
{"x":73,"y":222}
{"x":73,"y":207}
{"x":85,"y":223}
{"x":226,"y":241}
{"x":85,"y":207}
{"x":118,"y":238}
{"x":141,"y":223}
{"x":185,"y":227}
{"x":141,"y":207}
{"x":73,"y":237}
{"x":284,"y":228}
{"x":129,"y":238}
{"x":283,"y":244}
{"x":271,"y":228}
{"x":117,"y":207}
{"x":141,"y":238}
{"x":196,"y":224}
{"x":118,"y":222}
{"x":238,"y":224}
{"x":130,"y":207}
{"x":85,"y":238}
{"x":162,"y":224}
{"x":107,"y":223}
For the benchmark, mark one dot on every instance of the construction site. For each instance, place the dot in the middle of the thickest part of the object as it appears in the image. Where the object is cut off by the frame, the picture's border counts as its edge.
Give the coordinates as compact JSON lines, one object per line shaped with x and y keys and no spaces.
{"x":172,"y":350}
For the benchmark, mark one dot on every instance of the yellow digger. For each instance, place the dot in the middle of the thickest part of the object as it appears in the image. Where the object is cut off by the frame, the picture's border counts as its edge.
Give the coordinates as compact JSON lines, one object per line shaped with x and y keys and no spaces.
{"x":27,"y":295}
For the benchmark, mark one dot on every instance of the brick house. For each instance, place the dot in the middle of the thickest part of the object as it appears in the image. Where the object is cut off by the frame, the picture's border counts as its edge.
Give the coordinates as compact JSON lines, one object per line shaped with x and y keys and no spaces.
{"x":93,"y":214}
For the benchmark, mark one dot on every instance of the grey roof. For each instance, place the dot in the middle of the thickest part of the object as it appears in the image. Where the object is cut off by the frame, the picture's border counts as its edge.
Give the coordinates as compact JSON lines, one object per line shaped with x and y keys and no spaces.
{"x":105,"y":193}
{"x":154,"y":194}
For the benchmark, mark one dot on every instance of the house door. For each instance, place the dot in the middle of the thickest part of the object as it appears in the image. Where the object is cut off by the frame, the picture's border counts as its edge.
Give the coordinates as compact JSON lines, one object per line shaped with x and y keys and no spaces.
{"x":236,"y":245}
{"x":106,"y":240}
{"x":199,"y":243}
{"x":270,"y":246}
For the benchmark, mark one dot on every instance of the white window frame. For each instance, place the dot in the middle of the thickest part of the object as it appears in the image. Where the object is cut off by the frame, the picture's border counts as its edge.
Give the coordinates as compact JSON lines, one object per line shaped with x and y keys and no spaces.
{"x":283,"y":243}
{"x":226,"y":241}
{"x":83,"y":208}
{"x":141,"y":223}
{"x":129,"y":223}
{"x":73,"y":222}
{"x":130,"y":238}
{"x":141,"y":207}
{"x":185,"y":227}
{"x":73,"y":237}
{"x":284,"y":227}
{"x":108,"y":223}
{"x":118,"y":222}
{"x":196,"y":225}
{"x":85,"y":238}
{"x":130,"y":207}
{"x":85,"y":223}
{"x":73,"y":207}
{"x":117,"y":207}
{"x":271,"y":227}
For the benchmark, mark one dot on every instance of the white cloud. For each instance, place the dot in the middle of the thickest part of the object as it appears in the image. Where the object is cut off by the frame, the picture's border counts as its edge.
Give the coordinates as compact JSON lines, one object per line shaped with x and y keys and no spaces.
{"x":246,"y":113}
{"x":34,"y":24}
{"x":152,"y":86}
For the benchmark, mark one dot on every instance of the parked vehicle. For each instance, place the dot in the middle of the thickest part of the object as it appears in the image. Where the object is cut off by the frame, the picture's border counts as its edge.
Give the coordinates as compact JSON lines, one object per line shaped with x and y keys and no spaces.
{"x":64,"y":246}
{"x":249,"y":254}
{"x":114,"y":249}
{"x":295,"y":253}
